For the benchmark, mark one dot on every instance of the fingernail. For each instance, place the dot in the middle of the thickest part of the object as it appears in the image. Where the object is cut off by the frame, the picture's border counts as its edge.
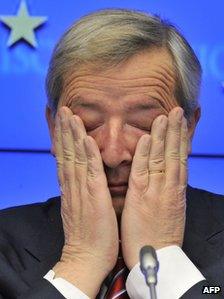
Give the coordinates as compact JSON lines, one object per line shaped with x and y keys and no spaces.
{"x":61,"y":115}
{"x":179,"y":114}
{"x":163,"y":119}
{"x":184,"y":123}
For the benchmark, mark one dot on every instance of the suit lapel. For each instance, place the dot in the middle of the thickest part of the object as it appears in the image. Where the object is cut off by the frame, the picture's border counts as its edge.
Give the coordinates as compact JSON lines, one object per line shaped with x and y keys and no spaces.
{"x":203,"y":240}
{"x":204,"y":237}
{"x":44,"y":247}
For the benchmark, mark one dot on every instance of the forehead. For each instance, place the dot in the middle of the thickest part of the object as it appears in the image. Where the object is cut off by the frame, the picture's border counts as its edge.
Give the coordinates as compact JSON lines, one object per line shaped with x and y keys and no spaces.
{"x":145,"y":63}
{"x":148,"y":72}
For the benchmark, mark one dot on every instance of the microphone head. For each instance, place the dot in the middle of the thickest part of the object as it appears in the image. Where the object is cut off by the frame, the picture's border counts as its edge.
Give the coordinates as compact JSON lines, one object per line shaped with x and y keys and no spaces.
{"x":148,"y":257}
{"x":149,"y":264}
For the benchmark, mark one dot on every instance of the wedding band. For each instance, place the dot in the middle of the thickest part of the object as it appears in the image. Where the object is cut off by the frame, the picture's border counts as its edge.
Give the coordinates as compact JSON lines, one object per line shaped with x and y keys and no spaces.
{"x":156,"y":171}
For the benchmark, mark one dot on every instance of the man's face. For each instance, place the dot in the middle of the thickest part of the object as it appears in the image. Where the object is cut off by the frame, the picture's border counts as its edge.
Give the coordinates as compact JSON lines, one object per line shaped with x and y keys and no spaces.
{"x":118,"y":106}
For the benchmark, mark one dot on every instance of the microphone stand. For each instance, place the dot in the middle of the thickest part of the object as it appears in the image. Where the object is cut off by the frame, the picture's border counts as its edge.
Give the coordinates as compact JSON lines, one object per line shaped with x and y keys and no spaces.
{"x":152,"y":290}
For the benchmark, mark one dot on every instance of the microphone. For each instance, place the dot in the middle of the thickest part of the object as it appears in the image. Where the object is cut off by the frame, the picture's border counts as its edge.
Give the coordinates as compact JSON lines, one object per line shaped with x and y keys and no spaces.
{"x":149,"y":266}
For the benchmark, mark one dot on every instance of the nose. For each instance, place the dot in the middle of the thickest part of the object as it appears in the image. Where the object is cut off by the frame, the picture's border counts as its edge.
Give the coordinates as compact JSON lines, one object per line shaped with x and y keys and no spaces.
{"x":114,"y":147}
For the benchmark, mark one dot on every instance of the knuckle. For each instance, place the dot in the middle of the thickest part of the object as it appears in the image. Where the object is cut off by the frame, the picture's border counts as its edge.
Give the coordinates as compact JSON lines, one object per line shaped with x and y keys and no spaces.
{"x":93,"y":173}
{"x":65,"y":129}
{"x":142,"y":156}
{"x":183,"y":161}
{"x":140,"y":172}
{"x":59,"y":162}
{"x":157,"y":162}
{"x":174,"y":128}
{"x":92,"y":160}
{"x":174,"y":155}
{"x":158,"y":139}
{"x":68,"y":155}
{"x":79,"y":162}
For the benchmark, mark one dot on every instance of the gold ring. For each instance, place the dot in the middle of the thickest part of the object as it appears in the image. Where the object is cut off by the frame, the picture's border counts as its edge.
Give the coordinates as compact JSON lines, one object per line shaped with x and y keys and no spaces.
{"x":156,"y":171}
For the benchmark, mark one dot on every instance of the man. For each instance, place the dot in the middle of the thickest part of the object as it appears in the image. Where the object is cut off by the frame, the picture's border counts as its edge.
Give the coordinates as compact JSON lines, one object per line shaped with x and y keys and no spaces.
{"x":123,"y":105}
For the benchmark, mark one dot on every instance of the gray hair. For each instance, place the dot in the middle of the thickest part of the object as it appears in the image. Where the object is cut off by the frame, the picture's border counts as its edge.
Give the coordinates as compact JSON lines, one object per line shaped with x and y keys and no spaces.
{"x":107,"y":37}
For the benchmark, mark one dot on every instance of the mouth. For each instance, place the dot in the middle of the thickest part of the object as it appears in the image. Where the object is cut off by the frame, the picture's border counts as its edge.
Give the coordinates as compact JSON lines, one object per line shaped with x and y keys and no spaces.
{"x":117,"y":190}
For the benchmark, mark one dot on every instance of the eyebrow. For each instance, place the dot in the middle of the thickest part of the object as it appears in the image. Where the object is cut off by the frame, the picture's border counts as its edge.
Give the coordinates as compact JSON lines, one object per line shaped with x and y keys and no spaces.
{"x":81,"y":102}
{"x":142,"y":106}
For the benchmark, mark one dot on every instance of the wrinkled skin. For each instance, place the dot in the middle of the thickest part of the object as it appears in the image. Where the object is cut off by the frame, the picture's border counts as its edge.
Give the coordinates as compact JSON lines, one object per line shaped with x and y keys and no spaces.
{"x":136,"y":131}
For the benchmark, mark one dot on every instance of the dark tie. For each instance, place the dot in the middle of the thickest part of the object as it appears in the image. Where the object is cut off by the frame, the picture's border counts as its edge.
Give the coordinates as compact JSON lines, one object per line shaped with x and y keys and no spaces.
{"x":116,"y":287}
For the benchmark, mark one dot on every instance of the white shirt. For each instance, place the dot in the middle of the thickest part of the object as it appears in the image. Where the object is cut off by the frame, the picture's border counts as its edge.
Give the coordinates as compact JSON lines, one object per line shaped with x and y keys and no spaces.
{"x":176,"y":275}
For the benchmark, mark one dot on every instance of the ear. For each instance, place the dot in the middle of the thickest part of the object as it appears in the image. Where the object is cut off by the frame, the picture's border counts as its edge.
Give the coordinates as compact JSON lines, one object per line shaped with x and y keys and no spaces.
{"x":51,"y":126}
{"x":192,"y":123}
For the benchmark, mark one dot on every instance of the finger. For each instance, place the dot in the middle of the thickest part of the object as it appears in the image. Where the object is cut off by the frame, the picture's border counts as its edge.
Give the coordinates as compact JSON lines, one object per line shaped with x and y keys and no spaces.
{"x":65,"y":150}
{"x":157,"y":153}
{"x":96,"y":178}
{"x":58,"y":149}
{"x":172,"y":147}
{"x":138,"y":179}
{"x":184,"y":153}
{"x":67,"y":144}
{"x":80,"y":161}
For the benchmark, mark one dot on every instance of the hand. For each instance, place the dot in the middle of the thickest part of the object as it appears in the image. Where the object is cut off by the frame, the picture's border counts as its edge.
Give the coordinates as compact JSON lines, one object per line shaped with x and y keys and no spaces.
{"x":154,"y":210}
{"x":89,"y":221}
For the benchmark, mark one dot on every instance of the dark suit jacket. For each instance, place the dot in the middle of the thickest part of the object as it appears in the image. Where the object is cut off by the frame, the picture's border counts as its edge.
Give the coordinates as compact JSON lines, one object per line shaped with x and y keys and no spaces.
{"x":31,"y":240}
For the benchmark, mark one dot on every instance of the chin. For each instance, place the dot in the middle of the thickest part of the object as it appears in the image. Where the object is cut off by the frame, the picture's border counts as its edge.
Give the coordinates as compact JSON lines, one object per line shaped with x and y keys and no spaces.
{"x":118,"y":204}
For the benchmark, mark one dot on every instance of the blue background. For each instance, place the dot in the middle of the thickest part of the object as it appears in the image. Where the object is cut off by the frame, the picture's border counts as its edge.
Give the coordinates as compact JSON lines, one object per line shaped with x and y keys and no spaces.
{"x":27,"y":170}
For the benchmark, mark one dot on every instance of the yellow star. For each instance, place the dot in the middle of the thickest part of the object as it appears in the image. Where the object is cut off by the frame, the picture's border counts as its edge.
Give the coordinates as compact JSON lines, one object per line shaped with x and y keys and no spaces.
{"x":22,"y":26}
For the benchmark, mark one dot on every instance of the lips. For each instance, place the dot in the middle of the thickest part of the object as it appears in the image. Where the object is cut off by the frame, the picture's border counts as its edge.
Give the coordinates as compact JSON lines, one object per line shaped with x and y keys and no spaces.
{"x":118,"y":188}
{"x":117,"y":184}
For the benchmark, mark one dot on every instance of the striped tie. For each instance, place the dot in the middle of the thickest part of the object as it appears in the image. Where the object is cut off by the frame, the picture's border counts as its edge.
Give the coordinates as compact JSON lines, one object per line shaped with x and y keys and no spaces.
{"x":116,"y":288}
